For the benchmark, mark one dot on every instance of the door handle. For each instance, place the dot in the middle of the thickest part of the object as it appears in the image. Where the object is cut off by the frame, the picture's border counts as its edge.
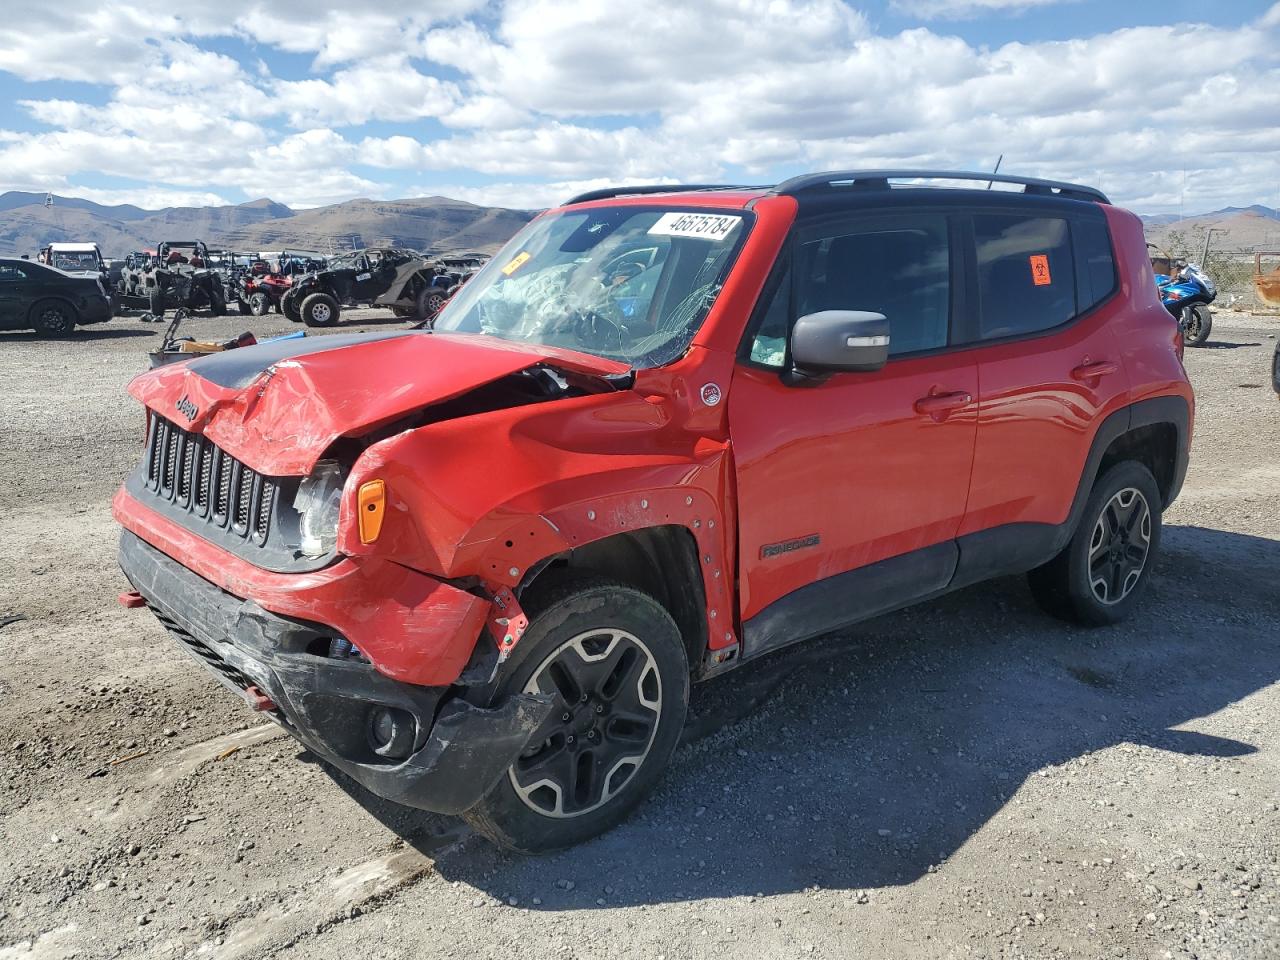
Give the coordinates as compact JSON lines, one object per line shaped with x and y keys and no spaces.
{"x":1099,"y":368}
{"x":938,"y":405}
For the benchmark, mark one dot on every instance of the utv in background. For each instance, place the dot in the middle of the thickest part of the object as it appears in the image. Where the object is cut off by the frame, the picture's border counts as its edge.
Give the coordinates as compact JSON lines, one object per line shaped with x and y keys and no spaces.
{"x":379,"y":276}
{"x":132,"y":282}
{"x":180,"y":276}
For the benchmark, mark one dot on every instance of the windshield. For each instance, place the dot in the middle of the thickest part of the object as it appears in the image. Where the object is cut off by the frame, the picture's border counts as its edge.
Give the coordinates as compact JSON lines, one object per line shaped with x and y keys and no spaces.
{"x":628,"y":283}
{"x":75,"y":262}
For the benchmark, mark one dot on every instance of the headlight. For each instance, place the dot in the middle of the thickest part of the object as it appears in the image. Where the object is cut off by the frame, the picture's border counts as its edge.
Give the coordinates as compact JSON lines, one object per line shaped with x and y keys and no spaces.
{"x":318,"y":502}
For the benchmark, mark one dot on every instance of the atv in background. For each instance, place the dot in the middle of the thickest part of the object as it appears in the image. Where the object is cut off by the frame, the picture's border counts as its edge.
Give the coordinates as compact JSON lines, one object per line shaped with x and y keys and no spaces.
{"x":379,"y":276}
{"x":180,"y":276}
{"x":260,"y":288}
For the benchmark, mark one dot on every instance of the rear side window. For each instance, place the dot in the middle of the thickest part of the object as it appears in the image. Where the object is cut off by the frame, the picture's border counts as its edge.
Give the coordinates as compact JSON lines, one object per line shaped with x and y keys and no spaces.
{"x":899,"y":266}
{"x":1026,"y":274}
{"x":1097,"y":267}
{"x":10,"y":274}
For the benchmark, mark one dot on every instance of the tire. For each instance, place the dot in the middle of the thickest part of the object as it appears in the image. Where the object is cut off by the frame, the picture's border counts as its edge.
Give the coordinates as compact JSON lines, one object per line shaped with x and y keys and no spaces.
{"x":52,"y":318}
{"x":258,"y":304}
{"x":1196,"y":322}
{"x":320,"y":310}
{"x":540,"y":803}
{"x":155,"y":302}
{"x":1092,"y":581}
{"x":429,"y":302}
{"x":289,"y":307}
{"x":1275,"y":370}
{"x":217,"y":299}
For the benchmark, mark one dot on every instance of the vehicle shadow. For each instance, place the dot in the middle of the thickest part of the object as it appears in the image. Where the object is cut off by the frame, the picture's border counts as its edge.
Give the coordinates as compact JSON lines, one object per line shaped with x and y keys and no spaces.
{"x":863,"y":759}
{"x":80,"y":333}
{"x":1224,"y":345}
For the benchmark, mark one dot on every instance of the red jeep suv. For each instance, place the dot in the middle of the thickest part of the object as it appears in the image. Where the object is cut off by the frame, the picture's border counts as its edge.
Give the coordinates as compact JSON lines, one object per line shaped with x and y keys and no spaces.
{"x":664,"y":432}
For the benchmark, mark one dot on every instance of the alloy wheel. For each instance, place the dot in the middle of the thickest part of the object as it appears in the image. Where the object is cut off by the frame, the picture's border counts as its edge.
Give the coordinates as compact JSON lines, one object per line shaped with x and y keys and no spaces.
{"x":608,"y":701}
{"x":321,"y":313}
{"x":1189,"y":320}
{"x":1119,"y":546}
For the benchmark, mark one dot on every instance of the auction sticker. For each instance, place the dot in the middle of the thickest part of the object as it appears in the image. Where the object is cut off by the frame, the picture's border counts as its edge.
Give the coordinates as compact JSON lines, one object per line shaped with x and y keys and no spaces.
{"x":519,"y":261}
{"x":702,"y":226}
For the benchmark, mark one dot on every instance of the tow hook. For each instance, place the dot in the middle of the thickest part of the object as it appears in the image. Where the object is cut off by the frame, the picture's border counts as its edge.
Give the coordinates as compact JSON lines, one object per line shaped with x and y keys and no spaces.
{"x":131,"y":600}
{"x":258,"y":700}
{"x":509,"y":622}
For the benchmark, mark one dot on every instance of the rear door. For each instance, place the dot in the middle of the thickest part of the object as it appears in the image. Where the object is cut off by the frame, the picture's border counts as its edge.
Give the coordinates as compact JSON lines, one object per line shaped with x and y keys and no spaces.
{"x":1049,"y":371}
{"x":850,"y":491}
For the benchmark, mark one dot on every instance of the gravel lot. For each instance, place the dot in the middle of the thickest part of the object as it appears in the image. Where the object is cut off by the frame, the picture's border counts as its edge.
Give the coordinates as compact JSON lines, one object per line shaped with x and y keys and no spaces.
{"x":965,"y":779}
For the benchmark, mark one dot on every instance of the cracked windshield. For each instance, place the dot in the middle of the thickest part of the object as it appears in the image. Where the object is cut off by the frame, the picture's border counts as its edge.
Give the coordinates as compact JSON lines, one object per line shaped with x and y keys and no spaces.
{"x":628,"y":283}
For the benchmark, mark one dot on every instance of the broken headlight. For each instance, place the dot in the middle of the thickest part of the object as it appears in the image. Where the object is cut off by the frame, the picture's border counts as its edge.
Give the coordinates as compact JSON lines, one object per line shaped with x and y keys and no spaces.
{"x":319,"y":502}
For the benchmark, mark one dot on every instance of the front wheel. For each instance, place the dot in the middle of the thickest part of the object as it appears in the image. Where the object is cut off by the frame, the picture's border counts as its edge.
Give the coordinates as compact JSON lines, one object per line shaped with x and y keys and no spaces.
{"x":1196,"y":322}
{"x":1101,"y":573}
{"x":613,"y":660}
{"x":258,"y":303}
{"x":320,"y":310}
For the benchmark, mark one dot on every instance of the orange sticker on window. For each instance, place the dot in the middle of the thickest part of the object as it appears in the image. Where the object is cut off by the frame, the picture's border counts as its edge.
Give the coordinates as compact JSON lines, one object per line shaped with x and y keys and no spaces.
{"x":520,"y":260}
{"x":1040,"y":270}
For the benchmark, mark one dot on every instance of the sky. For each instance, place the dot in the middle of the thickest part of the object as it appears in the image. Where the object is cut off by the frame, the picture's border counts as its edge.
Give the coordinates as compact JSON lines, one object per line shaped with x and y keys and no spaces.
{"x":1170,"y":106}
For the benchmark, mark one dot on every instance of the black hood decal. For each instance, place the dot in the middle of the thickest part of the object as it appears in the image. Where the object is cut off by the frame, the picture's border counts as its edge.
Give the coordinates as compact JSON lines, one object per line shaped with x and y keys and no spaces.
{"x":238,"y":368}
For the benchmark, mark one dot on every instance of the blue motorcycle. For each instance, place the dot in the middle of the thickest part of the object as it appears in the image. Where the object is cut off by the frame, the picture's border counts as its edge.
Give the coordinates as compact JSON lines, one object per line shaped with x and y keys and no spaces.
{"x":1187,"y":294}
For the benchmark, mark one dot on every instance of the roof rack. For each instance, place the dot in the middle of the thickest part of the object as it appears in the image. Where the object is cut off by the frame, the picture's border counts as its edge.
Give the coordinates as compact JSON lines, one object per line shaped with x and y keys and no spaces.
{"x":879,"y":180}
{"x":607,"y":193}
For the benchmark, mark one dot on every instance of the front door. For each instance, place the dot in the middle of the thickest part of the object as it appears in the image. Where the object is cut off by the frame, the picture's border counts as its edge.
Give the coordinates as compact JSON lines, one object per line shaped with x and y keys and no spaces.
{"x":851,"y":491}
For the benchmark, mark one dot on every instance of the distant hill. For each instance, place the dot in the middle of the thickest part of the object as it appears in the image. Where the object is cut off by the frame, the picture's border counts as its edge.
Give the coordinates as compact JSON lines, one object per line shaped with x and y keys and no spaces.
{"x":26,"y":224}
{"x":1235,"y":228}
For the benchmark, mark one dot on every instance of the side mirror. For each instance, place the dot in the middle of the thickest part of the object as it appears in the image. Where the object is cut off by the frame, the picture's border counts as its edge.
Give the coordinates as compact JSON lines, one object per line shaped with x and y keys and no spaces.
{"x":836,"y":341}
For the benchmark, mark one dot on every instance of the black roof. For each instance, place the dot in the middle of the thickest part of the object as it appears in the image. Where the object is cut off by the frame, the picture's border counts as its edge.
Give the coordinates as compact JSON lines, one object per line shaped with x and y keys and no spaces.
{"x":845,"y":181}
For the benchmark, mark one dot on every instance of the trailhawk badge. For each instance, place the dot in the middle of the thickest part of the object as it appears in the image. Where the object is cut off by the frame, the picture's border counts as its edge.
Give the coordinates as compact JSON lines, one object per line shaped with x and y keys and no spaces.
{"x":187,"y":408}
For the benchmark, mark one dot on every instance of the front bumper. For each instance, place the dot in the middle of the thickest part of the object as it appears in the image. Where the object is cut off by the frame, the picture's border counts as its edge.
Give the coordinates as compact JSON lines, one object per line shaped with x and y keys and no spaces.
{"x":459,"y":750}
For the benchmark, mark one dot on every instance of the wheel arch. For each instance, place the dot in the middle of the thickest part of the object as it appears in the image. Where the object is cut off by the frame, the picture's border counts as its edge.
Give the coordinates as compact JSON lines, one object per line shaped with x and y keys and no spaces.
{"x":662,"y":561}
{"x":1155,"y":432}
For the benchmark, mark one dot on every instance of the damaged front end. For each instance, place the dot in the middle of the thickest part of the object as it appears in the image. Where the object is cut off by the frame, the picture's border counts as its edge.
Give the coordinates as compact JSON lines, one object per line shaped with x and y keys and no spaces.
{"x":246,"y":533}
{"x":422,"y":746}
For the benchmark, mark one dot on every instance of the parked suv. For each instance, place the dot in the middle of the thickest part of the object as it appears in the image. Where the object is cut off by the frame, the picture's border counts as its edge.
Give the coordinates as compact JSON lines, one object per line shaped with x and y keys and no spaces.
{"x":665,"y":432}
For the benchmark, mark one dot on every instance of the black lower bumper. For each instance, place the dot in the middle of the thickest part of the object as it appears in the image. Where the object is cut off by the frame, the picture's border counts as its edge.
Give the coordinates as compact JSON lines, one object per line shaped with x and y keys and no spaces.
{"x":459,"y":750}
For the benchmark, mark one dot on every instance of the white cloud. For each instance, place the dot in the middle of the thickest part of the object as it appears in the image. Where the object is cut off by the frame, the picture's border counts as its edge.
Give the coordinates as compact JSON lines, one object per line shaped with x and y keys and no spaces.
{"x":543,"y":97}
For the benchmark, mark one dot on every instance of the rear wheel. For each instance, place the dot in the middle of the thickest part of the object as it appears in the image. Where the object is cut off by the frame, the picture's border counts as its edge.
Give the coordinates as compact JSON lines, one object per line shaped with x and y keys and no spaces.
{"x":613,"y":660}
{"x":53,"y":319}
{"x":320,"y":310}
{"x":1103,"y":570}
{"x":217,"y":299}
{"x":429,"y":302}
{"x":155,"y":302}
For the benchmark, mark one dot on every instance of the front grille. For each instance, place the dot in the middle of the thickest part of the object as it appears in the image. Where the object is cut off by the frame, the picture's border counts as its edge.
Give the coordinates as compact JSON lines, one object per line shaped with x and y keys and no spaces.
{"x":194,"y":474}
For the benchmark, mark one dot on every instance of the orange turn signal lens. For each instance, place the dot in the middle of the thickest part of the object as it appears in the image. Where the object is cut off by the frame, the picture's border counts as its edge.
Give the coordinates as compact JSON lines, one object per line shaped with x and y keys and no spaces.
{"x":373,"y":503}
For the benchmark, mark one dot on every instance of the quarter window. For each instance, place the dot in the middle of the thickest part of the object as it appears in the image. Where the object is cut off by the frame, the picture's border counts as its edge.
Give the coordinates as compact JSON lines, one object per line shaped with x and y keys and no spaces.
{"x":1097,"y":264}
{"x":1026,"y":274}
{"x":897,"y":266}
{"x":9,"y":274}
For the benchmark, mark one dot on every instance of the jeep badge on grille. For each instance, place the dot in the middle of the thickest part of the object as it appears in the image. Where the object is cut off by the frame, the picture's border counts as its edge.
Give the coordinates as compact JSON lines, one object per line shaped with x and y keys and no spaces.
{"x":187,"y":408}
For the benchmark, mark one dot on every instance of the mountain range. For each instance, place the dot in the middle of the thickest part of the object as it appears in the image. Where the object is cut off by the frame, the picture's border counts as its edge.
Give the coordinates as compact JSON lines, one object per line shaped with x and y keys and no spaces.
{"x":435,"y":224}
{"x":1234,"y":228}
{"x":426,"y":223}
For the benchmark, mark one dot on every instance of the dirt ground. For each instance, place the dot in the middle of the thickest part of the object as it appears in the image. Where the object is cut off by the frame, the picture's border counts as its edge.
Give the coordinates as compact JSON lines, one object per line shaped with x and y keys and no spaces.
{"x":966,"y":779}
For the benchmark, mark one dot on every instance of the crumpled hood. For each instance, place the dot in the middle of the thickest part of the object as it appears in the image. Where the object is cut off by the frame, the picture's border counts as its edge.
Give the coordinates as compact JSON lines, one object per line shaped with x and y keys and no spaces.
{"x":278,"y":406}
